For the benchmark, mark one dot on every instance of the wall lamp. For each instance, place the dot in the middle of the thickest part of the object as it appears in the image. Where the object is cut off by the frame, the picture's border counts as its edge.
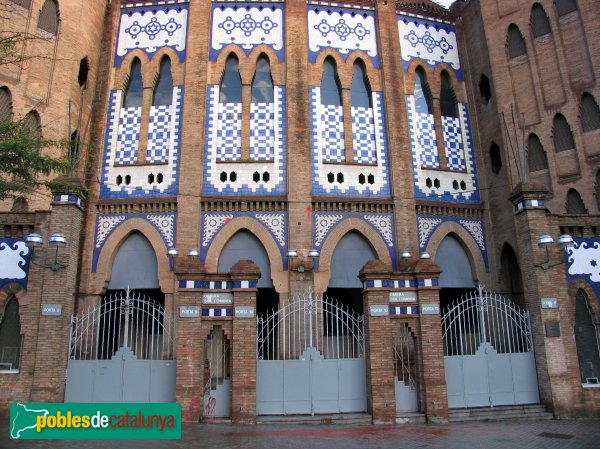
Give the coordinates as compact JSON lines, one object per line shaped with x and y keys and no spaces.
{"x":292,"y":254}
{"x":545,"y":241}
{"x":405,"y":255}
{"x":57,"y":240}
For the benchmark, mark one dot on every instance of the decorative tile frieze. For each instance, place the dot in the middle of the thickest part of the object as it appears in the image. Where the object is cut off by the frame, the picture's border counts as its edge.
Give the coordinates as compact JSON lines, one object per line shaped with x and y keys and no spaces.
{"x":583,"y":262}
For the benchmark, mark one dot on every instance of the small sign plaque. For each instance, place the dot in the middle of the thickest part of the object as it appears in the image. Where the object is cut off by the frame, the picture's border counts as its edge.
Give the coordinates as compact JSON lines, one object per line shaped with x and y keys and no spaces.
{"x":380,"y":310}
{"x":549,"y":303}
{"x":217,"y":299}
{"x":51,"y":309}
{"x":244,"y":312}
{"x":552,"y":329}
{"x":430,"y":309}
{"x":189,"y":312}
{"x":403,"y":296}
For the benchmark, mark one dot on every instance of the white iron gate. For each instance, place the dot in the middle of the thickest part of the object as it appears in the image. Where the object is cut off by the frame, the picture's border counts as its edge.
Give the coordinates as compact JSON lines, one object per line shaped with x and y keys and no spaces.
{"x":121,"y":351}
{"x":489,"y":356}
{"x":217,"y":390}
{"x":311,"y":359}
{"x":405,"y":370}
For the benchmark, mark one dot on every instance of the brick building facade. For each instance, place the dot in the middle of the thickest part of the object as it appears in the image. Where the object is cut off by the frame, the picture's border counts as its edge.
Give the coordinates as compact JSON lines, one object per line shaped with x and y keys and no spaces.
{"x":309,"y":208}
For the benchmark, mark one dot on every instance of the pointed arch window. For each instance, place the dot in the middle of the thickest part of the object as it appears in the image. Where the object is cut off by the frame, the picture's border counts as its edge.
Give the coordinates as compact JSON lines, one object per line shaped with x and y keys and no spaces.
{"x":586,"y":340}
{"x":6,"y":110}
{"x":536,"y":155}
{"x":563,"y":136}
{"x":10,"y":336}
{"x":564,"y":7}
{"x":23,"y":3}
{"x":360,"y":91}
{"x":422,"y":92}
{"x":540,"y":25}
{"x":231,"y":85}
{"x":575,"y":204}
{"x":262,"y":84}
{"x":49,"y":17}
{"x":32,"y":122}
{"x":448,"y":102}
{"x":163,"y":92}
{"x":515,"y":42}
{"x":331,"y":89}
{"x":590,"y":113}
{"x":135,"y":87}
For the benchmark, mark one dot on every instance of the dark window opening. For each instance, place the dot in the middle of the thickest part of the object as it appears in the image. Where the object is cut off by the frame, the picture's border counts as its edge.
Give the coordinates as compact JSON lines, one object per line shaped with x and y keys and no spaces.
{"x":422,"y":93}
{"x":84,"y":69}
{"x":262,"y":84}
{"x":49,"y":17}
{"x":10,"y":336}
{"x":448,"y":101}
{"x":586,"y":340}
{"x":564,"y":7}
{"x":135,"y":88}
{"x":590,"y":113}
{"x":484,"y":89}
{"x":495,"y":158}
{"x":563,"y":136}
{"x":331,"y":89}
{"x":515,"y":42}
{"x":540,"y":25}
{"x":360,"y":91}
{"x":536,"y":155}
{"x":575,"y":204}
{"x":6,"y":109}
{"x":231,"y":85}
{"x":163,"y":91}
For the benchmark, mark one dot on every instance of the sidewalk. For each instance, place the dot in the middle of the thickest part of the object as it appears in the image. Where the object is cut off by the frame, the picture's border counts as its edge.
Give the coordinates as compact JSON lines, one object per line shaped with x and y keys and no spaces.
{"x":565,"y":434}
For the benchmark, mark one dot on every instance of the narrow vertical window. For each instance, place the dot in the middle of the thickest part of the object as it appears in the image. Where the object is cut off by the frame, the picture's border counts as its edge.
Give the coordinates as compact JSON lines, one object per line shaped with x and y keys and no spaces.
{"x":84,"y":69}
{"x":586,"y":340}
{"x":590,"y":113}
{"x":10,"y":336}
{"x":135,"y":87}
{"x":448,"y":103}
{"x":49,"y":17}
{"x":359,"y":90}
{"x":163,"y":92}
{"x":422,"y":93}
{"x":563,"y":136}
{"x":515,"y":42}
{"x":331,"y":91}
{"x":540,"y":25}
{"x":495,"y":158}
{"x":6,"y":112}
{"x":262,"y":84}
{"x":32,"y":122}
{"x":564,"y":7}
{"x":231,"y":85}
{"x":575,"y":204}
{"x":536,"y":155}
{"x":598,"y":189}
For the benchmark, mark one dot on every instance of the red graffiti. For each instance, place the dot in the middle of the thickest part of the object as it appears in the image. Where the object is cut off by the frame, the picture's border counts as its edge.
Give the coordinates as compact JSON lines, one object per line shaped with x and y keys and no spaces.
{"x":210,"y":406}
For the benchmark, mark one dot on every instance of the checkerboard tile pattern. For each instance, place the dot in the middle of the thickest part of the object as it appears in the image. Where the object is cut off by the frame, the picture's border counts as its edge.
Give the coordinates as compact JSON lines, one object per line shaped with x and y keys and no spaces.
{"x":425,"y":130}
{"x":262,"y":131}
{"x":229,"y":132}
{"x":129,"y":136}
{"x":159,"y":134}
{"x":332,"y":133}
{"x":363,"y":136}
{"x":455,"y":155}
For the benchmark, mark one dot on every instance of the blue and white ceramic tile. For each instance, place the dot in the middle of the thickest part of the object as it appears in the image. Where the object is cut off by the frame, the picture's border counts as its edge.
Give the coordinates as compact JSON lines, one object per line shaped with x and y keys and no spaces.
{"x":14,"y":262}
{"x":150,"y":28}
{"x":342,"y":29}
{"x":431,"y":42}
{"x":268,"y":149}
{"x":120,"y":152}
{"x":583,"y":262}
{"x":369,"y":177}
{"x":247,"y":25}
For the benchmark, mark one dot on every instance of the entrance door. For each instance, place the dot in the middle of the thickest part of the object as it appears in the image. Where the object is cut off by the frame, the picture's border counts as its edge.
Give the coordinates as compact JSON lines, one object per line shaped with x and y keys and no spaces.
{"x":311,"y":359}
{"x":217,"y":391}
{"x":489,"y":356}
{"x":121,"y":351}
{"x":405,"y":370}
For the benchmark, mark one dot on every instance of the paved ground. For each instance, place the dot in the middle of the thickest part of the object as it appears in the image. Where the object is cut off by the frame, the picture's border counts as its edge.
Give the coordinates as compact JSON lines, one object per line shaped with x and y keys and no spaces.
{"x":566,"y":434}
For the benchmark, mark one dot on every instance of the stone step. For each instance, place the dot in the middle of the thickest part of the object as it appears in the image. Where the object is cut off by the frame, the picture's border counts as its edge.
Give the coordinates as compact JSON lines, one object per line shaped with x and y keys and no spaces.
{"x":529,"y":412}
{"x":410,"y":418}
{"x":341,"y":418}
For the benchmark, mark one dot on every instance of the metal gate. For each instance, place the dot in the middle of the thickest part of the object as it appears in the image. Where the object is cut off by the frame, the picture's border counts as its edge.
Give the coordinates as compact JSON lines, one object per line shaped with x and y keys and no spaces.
{"x":217,"y":391}
{"x":405,"y":371}
{"x":121,"y":351}
{"x":488,"y":348}
{"x":311,"y":359}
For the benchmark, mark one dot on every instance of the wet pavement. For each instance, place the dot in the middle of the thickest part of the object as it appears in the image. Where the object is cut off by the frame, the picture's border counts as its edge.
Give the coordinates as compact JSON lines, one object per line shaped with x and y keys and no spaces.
{"x":564,"y":434}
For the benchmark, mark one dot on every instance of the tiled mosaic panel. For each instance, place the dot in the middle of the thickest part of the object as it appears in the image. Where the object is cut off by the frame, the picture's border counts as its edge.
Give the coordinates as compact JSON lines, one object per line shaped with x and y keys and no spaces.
{"x":332,"y":133}
{"x":262,"y":131}
{"x":247,"y":26}
{"x":363,"y":136}
{"x":339,"y":178}
{"x":159,"y":134}
{"x":255,"y":177}
{"x":425,"y":129}
{"x":452,"y":185}
{"x":583,"y":262}
{"x":455,"y":155}
{"x":229,"y":132}
{"x":342,"y":29}
{"x":129,"y":135}
{"x":150,"y":28}
{"x":147,"y":179}
{"x":428,"y":41}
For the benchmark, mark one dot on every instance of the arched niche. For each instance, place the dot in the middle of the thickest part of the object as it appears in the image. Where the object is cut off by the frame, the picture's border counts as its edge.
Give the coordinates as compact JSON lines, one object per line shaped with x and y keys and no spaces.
{"x":452,"y":258}
{"x":244,"y":245}
{"x":351,"y":253}
{"x":135,"y":265}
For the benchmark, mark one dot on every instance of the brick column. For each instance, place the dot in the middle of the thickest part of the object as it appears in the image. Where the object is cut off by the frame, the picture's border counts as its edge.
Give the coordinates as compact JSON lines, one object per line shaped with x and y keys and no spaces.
{"x":244,"y":277}
{"x":189,"y":347}
{"x":58,"y":288}
{"x":379,"y":335}
{"x":431,"y":342}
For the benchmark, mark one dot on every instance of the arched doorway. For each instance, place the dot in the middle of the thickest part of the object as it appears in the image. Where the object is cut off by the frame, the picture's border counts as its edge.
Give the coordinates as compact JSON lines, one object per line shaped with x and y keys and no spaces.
{"x":456,"y":278}
{"x":122,"y":350}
